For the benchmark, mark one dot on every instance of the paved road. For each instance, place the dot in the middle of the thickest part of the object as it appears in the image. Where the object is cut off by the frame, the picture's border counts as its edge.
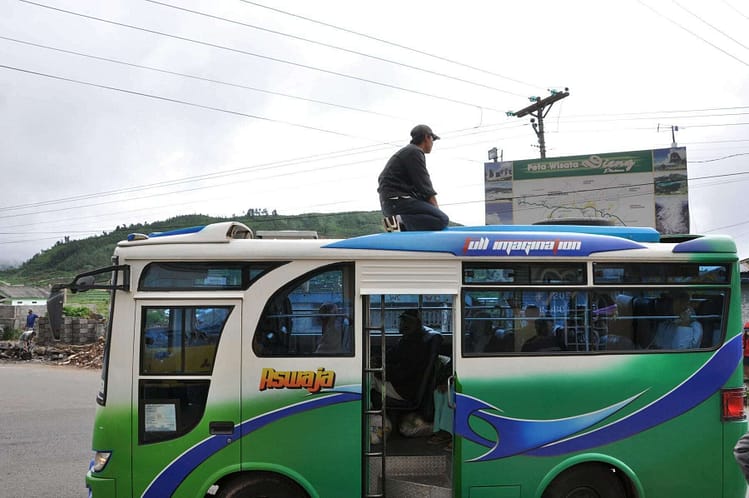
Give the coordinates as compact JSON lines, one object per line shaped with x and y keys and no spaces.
{"x":46,"y":415}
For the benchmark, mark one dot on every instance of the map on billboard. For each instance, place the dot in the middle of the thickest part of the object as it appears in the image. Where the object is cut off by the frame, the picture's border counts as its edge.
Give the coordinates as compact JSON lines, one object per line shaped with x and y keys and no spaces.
{"x":639,"y":188}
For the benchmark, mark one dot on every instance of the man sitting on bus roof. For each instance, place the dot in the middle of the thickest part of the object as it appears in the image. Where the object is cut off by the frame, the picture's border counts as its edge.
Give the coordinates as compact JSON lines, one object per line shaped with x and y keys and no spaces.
{"x":408,"y":200}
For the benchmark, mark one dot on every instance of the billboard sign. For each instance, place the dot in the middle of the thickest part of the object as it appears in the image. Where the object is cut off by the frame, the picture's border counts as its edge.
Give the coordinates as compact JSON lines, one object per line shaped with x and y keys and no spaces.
{"x":638,"y":188}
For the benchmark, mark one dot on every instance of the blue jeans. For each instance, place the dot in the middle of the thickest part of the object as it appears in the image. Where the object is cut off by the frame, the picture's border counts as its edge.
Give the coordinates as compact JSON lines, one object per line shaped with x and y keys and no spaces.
{"x":415,"y":214}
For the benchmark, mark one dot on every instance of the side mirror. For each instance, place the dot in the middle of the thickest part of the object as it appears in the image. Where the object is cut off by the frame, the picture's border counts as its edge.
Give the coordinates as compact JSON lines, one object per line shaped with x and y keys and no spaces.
{"x":83,"y":284}
{"x":54,"y":309}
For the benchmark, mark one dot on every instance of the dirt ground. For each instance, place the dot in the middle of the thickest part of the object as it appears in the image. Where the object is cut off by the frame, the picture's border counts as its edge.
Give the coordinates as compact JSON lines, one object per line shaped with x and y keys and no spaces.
{"x":82,"y":356}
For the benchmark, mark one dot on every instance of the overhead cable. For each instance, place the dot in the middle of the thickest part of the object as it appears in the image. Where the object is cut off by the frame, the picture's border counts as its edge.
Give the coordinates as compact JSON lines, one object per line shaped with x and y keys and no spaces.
{"x":266,"y":57}
{"x":393,"y":44}
{"x":335,"y":47}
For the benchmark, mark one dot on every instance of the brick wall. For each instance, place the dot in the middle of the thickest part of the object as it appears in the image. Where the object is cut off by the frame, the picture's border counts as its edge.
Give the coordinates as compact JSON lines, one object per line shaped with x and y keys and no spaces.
{"x":74,"y":331}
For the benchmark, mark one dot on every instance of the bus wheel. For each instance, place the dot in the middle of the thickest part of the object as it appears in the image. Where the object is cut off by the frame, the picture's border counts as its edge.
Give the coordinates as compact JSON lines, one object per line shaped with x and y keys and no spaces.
{"x":260,"y":485}
{"x":587,"y":481}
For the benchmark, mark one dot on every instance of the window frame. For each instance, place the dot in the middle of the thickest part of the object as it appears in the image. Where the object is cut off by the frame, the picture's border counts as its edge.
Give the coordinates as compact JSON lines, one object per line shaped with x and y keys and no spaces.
{"x":245,"y":267}
{"x":348,"y":270}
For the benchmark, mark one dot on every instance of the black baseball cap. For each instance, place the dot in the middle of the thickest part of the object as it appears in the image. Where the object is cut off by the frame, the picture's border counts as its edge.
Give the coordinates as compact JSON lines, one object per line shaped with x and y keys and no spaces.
{"x":423,"y":130}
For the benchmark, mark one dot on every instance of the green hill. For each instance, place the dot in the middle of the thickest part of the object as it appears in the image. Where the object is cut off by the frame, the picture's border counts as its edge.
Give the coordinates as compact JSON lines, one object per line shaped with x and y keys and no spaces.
{"x":66,"y":259}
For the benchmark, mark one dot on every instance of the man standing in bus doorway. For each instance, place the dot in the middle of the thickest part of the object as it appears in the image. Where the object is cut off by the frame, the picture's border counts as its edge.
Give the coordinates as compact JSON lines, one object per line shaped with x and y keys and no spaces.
{"x":407,"y":360}
{"x":407,"y":198}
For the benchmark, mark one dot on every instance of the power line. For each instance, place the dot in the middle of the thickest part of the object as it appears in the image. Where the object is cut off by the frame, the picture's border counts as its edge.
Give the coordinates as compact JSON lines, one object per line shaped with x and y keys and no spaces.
{"x":304,"y":160}
{"x":691,"y":32}
{"x":596,"y":189}
{"x":708,"y":24}
{"x":392,"y":44}
{"x":662,"y":111}
{"x":736,"y":10}
{"x":200,"y":78}
{"x":335,"y":47}
{"x":182,"y":102}
{"x":265,"y":57}
{"x":721,"y":158}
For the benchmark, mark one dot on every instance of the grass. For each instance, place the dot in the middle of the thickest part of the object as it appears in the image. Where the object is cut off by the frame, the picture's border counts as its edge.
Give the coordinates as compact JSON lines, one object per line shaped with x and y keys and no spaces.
{"x":93,"y":298}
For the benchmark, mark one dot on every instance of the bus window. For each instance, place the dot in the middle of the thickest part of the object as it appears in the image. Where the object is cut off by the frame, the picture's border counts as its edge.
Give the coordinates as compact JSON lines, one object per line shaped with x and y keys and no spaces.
{"x":180,"y":340}
{"x":189,"y":275}
{"x":311,"y":316}
{"x":524,"y":273}
{"x":591,"y":320}
{"x":654,"y":273}
{"x":169,"y":408}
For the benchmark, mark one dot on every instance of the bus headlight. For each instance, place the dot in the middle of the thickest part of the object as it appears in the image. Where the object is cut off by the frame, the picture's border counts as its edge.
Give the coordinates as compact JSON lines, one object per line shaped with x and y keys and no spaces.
{"x":100,"y":460}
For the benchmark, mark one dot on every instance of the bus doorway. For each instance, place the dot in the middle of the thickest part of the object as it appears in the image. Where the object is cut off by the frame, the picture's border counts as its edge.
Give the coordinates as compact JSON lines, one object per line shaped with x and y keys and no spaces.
{"x":408,"y":346}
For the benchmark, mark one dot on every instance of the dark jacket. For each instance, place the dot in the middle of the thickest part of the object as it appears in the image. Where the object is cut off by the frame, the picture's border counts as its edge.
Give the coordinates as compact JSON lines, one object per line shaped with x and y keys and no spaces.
{"x":407,"y":362}
{"x":406,"y":174}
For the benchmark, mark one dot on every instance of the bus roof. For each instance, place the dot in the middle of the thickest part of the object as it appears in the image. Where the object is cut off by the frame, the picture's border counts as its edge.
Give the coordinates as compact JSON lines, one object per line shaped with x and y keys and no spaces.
{"x":491,"y":240}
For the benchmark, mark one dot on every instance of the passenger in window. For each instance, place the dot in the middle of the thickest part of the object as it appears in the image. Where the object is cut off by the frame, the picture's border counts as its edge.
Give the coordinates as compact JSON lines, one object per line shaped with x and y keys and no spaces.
{"x":408,"y":360}
{"x":683,"y":332}
{"x":527,"y":331}
{"x":331,"y":340}
{"x":545,"y":338}
{"x":480,"y":332}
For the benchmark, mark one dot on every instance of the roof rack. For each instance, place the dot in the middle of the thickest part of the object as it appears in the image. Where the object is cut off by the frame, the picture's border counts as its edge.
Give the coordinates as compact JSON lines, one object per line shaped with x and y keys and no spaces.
{"x":215,"y":232}
{"x":286,"y":234}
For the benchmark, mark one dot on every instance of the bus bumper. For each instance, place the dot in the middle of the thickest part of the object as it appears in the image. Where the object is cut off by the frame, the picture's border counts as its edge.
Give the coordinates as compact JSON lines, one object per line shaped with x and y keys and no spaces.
{"x":100,"y":488}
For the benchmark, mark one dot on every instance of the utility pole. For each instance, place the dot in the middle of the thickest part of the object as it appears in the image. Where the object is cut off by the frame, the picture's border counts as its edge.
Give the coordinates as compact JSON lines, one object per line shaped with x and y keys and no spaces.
{"x":539,"y":109}
{"x":674,"y":129}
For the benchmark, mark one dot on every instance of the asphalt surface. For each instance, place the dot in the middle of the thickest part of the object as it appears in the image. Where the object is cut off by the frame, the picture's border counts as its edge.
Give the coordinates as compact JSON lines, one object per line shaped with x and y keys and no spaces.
{"x":46,"y":417}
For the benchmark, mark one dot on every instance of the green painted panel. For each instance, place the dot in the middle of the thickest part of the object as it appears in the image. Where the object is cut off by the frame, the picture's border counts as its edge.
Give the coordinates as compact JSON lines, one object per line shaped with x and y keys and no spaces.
{"x":595,"y":164}
{"x":495,"y":492}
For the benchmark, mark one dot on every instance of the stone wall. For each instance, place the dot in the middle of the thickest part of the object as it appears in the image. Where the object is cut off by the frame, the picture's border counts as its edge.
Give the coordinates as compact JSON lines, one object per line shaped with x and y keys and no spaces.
{"x":14,"y":317}
{"x":74,"y":331}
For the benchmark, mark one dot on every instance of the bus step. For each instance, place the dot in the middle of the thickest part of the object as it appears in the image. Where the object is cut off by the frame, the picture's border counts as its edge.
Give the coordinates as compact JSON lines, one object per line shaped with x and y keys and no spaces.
{"x":373,"y":453}
{"x":373,"y":412}
{"x":426,"y":486}
{"x":374,"y":370}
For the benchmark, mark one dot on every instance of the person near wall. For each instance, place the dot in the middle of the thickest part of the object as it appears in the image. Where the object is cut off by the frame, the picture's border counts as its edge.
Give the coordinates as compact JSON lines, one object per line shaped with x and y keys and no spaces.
{"x":407,"y":197}
{"x":29,"y":331}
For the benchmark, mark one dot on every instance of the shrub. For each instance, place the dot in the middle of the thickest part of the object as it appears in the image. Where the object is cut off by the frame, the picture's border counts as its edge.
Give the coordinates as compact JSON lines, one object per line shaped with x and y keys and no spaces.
{"x":76,"y":311}
{"x":11,"y":334}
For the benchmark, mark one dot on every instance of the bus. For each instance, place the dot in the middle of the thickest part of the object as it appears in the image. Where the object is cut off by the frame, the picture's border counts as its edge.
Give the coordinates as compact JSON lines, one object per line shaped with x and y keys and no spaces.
{"x":582,"y":361}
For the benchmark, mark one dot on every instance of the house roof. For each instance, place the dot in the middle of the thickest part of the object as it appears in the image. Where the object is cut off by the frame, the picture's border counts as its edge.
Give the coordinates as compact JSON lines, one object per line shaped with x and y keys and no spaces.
{"x":22,"y":292}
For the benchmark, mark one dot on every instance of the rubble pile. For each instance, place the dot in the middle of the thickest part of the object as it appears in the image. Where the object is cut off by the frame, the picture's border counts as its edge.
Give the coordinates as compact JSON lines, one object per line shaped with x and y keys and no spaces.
{"x":83,"y":356}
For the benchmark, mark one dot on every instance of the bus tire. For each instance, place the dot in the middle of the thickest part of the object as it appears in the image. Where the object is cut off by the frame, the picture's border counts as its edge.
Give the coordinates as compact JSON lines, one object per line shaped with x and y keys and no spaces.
{"x":587,"y":481}
{"x":260,"y":485}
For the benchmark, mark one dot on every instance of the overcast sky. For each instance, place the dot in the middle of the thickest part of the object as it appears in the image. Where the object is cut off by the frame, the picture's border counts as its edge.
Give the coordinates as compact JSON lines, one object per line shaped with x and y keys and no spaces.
{"x":120,"y":112}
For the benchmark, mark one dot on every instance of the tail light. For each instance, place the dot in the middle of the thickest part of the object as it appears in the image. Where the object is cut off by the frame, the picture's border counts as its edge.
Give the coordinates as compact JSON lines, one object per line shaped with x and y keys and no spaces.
{"x":732,"y":404}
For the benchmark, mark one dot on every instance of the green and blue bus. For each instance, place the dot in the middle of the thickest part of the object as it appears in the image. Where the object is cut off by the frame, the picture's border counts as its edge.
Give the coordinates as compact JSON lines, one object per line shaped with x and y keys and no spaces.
{"x":584,"y":361}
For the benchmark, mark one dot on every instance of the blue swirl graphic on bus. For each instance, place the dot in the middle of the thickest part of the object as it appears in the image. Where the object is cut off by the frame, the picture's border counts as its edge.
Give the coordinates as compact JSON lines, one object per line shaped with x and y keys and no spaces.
{"x":172,"y":476}
{"x":561,"y":436}
{"x":520,"y":436}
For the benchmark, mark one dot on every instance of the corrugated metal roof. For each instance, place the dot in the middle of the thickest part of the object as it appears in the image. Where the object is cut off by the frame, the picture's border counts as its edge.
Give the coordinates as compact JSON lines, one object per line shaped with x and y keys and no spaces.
{"x":22,"y":291}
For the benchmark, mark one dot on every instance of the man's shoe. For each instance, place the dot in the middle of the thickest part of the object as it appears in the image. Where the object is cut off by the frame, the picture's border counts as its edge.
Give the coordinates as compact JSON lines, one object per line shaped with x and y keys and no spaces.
{"x":392,"y":223}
